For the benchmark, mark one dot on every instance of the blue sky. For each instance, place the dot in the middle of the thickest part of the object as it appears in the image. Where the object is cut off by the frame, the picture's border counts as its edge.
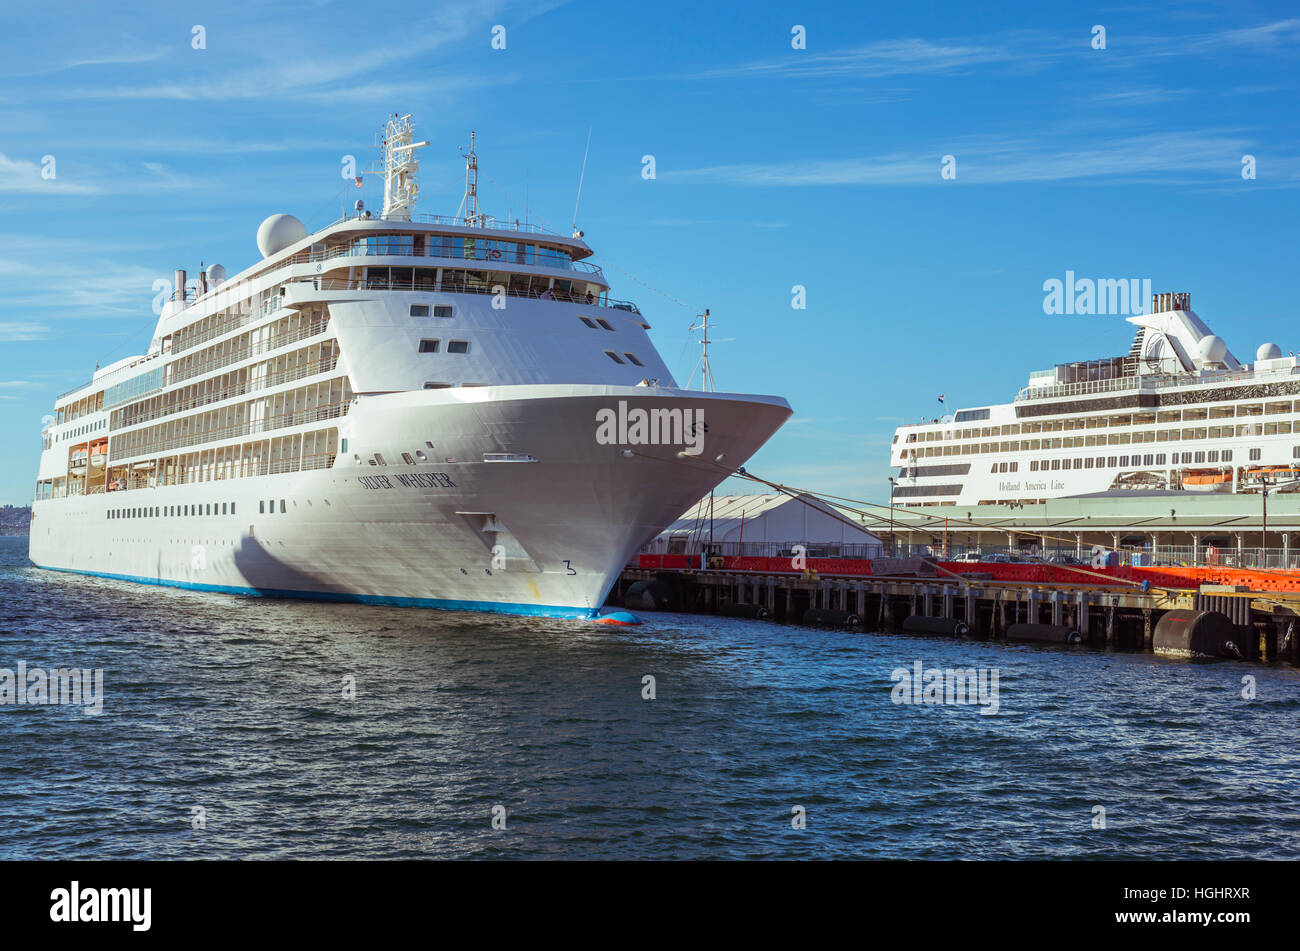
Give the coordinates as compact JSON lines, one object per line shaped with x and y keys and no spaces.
{"x":775,"y":167}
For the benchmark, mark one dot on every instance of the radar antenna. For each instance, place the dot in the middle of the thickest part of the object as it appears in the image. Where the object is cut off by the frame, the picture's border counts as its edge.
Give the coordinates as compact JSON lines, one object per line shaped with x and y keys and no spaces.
{"x":707,"y":382}
{"x":400,"y":166}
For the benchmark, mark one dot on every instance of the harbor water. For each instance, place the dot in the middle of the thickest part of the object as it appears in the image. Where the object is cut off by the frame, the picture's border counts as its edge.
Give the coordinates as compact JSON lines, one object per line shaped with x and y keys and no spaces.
{"x":260,"y":728}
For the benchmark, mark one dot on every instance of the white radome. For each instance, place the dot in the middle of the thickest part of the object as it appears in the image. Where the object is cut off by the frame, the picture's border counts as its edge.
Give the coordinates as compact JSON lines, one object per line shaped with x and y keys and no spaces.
{"x":1212,"y":348}
{"x":1268,"y":351}
{"x":216,"y":275}
{"x":277,"y":233}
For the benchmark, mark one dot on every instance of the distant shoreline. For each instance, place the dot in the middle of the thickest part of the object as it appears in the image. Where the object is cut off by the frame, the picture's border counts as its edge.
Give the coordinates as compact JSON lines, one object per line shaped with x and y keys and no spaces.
{"x":15,"y":521}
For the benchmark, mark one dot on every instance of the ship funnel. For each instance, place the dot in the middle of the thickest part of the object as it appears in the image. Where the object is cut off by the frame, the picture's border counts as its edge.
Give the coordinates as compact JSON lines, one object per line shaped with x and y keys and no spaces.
{"x":180,"y":285}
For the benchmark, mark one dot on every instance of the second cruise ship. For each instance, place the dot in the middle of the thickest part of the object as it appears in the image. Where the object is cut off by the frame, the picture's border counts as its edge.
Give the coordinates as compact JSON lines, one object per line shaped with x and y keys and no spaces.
{"x":1178,"y":412}
{"x":418,"y":410}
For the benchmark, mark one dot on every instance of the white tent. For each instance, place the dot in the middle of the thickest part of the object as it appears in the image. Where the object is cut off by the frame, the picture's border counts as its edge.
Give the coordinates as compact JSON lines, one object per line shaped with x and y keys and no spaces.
{"x":766,"y":525}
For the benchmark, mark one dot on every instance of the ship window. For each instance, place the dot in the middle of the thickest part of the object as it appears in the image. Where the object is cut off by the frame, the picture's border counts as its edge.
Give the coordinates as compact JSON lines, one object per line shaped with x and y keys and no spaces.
{"x":261,"y":506}
{"x":1112,"y":461}
{"x":419,"y":310}
{"x":428,"y":346}
{"x":408,"y":459}
{"x":1065,"y":464}
{"x":458,"y":346}
{"x":1087,"y":463}
{"x":1254,"y":455}
{"x":1148,"y":459}
{"x":344,"y":446}
{"x":1200,"y":457}
{"x":1056,"y":463}
{"x":613,"y":356}
{"x":442,"y":310}
{"x":633,"y":360}
{"x":1033,"y":465}
{"x":1123,"y":461}
{"x":604,"y":323}
{"x":1227,"y":455}
{"x":993,"y":468}
{"x":223,"y":508}
{"x":379,"y":459}
{"x":420,"y":455}
{"x":436,"y":386}
{"x":1015,"y":466}
{"x":589,"y":322}
{"x":282,"y":506}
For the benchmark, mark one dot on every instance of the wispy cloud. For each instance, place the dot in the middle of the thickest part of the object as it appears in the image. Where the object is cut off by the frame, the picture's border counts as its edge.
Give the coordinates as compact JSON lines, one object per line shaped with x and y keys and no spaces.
{"x":1169,"y":158}
{"x":23,"y":177}
{"x":895,"y":57}
{"x":279,"y":62}
{"x":12,"y":332}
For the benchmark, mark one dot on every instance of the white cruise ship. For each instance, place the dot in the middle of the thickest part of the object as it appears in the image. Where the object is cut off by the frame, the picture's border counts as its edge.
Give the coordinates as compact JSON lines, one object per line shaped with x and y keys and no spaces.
{"x":446,"y":412}
{"x":1177,"y":413}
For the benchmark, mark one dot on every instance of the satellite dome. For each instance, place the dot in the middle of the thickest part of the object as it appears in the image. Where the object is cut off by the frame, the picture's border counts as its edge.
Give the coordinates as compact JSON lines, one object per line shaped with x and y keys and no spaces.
{"x":277,"y":233}
{"x":1268,"y":351}
{"x":1212,"y":349}
{"x":216,"y":275}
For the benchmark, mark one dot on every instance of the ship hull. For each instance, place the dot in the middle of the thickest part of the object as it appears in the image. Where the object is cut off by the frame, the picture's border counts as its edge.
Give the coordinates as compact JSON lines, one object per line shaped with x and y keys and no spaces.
{"x":511,"y":503}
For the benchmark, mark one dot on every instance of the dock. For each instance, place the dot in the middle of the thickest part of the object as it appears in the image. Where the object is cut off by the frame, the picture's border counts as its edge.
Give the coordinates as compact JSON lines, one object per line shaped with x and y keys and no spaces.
{"x":1042,"y":608}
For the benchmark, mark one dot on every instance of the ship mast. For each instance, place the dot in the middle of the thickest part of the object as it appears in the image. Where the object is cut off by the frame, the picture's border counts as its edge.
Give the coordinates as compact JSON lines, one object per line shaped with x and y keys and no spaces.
{"x":707,"y":382}
{"x":469,"y":208}
{"x":400,"y":167}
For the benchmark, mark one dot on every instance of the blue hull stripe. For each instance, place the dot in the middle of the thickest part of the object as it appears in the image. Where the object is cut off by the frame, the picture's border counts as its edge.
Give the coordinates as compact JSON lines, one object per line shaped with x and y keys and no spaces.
{"x":492,"y":607}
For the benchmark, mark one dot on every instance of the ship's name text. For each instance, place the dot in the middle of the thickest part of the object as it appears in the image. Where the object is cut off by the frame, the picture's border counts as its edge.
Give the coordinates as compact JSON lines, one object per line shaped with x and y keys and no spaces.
{"x":414,"y":480}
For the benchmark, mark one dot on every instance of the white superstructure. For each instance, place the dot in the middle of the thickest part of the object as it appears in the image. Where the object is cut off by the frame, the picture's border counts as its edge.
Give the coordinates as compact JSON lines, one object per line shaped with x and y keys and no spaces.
{"x":396,"y":408}
{"x":1178,"y":413}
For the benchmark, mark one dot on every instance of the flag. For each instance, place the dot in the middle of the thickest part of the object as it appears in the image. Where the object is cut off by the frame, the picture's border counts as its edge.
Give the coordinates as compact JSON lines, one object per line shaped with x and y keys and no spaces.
{"x":940,"y":397}
{"x":358,"y":183}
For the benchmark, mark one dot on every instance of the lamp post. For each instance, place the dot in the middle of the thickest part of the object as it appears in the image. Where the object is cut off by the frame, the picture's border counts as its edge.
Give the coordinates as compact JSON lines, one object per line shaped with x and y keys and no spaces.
{"x":893,"y":545}
{"x":1263,"y":523}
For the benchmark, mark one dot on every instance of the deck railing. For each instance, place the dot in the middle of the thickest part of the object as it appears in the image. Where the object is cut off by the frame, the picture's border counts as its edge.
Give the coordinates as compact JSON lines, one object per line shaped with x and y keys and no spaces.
{"x":484,"y":255}
{"x":311,"y":368}
{"x":247,"y":428}
{"x":450,"y":287}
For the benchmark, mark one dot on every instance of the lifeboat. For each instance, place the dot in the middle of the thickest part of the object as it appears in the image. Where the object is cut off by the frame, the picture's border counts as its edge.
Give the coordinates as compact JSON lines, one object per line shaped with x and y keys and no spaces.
{"x":1272,"y":475}
{"x":77,"y":459}
{"x":1207,"y":480}
{"x":99,"y":453}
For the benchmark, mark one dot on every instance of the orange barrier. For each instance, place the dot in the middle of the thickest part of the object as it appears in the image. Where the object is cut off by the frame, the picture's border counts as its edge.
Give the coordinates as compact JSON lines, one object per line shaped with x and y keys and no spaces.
{"x":1170,"y":576}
